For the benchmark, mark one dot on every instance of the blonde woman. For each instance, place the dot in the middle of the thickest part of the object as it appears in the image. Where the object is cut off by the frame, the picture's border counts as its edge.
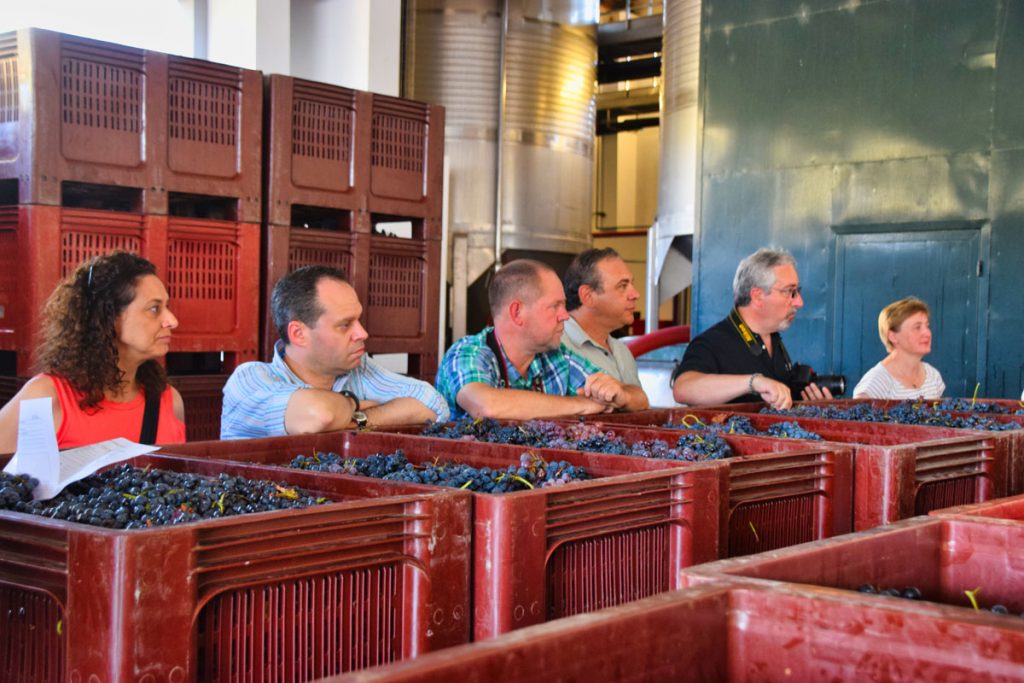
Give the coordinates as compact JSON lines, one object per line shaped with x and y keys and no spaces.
{"x":904,"y":329}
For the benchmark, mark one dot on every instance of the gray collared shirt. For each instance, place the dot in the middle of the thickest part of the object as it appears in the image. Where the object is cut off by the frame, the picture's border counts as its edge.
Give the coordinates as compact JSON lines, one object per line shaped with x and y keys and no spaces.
{"x":619,"y":362}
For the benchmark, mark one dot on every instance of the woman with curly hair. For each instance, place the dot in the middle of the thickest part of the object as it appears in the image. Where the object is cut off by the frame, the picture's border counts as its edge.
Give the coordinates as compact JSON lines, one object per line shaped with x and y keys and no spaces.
{"x":105,"y":328}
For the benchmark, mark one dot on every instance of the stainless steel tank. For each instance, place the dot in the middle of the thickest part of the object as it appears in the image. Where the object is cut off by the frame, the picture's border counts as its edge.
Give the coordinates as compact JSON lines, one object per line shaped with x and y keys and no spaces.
{"x":547,"y":89}
{"x":669,"y":252}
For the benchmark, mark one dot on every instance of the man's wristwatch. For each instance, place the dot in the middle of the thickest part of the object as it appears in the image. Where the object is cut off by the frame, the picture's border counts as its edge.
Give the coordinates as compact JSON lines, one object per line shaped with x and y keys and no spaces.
{"x":359,"y":417}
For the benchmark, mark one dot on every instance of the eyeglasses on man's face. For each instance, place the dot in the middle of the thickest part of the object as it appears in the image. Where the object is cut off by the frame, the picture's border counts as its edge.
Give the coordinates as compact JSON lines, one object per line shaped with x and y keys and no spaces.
{"x":791,"y":292}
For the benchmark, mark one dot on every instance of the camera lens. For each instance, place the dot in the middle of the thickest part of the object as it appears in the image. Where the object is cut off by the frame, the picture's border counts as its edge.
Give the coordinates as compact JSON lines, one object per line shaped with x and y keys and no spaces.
{"x":836,"y":384}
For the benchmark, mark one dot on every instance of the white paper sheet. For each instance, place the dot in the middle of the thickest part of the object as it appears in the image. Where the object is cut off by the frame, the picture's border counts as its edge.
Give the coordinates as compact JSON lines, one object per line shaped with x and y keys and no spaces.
{"x":37,"y":446}
{"x":37,"y":454}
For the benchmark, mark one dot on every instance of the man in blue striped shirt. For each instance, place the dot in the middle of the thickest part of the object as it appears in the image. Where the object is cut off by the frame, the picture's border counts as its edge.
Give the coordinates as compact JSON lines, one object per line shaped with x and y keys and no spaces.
{"x":519,"y":369}
{"x":320,"y":378}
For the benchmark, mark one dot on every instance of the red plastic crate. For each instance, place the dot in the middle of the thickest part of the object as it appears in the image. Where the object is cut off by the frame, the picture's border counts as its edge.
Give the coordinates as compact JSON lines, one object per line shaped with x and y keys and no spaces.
{"x":941,"y":557}
{"x":738,"y":633}
{"x":406,"y":157}
{"x":403,"y":293}
{"x":549,"y":552}
{"x":212,"y":275}
{"x":1015,"y":438}
{"x":318,"y":147}
{"x":291,"y":595}
{"x":213,"y":125}
{"x":423,"y":365}
{"x":779,"y":492}
{"x":1005,"y":511}
{"x":899,"y":470}
{"x":203,"y":396}
{"x":82,"y":110}
{"x":78,"y":110}
{"x":288,"y":248}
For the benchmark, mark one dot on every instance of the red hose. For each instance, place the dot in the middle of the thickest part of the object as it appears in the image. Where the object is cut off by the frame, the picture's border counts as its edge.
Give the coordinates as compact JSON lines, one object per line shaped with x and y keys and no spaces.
{"x":678,"y":334}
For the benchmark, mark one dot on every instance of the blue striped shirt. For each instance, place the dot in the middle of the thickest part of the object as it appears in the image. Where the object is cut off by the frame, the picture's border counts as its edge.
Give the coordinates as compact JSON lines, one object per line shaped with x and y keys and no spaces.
{"x":561,"y":372}
{"x":257,"y":394}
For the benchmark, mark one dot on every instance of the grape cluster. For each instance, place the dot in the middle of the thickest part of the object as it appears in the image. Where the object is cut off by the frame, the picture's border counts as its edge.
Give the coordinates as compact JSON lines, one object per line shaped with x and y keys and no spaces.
{"x":740,"y":424}
{"x":791,"y":430}
{"x":532,"y":434}
{"x":970,"y":406}
{"x":705,"y":446}
{"x":908,"y":593}
{"x":906,"y":412}
{"x":127,"y":497}
{"x":531,"y":472}
{"x":914,"y":593}
{"x":580,"y":436}
{"x":15,"y":489}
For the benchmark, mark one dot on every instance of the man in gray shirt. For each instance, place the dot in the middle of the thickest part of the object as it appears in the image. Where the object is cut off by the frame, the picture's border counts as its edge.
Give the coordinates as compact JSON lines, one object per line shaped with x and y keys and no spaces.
{"x":600,"y":298}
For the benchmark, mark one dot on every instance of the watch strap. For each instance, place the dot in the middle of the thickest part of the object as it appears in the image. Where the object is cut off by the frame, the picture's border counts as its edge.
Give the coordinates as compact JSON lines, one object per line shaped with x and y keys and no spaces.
{"x":349,"y":394}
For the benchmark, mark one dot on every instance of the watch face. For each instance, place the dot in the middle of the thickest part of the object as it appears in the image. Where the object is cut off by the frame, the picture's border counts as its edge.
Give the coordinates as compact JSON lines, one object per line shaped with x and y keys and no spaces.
{"x":359,"y":417}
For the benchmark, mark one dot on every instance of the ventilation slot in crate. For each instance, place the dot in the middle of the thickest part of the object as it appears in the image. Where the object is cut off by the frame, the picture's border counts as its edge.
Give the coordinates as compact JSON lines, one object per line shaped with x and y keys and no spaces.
{"x":936,"y":495}
{"x":588,"y":575}
{"x":398,"y":153}
{"x":102,"y":92}
{"x":323,"y":136}
{"x":766,"y":525}
{"x":9,"y":102}
{"x":395,"y":288}
{"x":204,"y":116}
{"x":303,"y":629}
{"x":33,"y":644}
{"x":85,"y":234}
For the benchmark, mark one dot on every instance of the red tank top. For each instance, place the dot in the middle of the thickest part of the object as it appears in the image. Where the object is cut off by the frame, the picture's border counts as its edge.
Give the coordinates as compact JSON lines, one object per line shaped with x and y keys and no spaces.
{"x":111,"y":419}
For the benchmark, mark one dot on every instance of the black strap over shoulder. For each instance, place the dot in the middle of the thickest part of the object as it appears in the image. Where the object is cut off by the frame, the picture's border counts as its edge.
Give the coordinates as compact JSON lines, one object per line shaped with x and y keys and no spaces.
{"x":492,"y":343}
{"x":753,"y":345}
{"x":150,"y":420}
{"x":748,"y":337}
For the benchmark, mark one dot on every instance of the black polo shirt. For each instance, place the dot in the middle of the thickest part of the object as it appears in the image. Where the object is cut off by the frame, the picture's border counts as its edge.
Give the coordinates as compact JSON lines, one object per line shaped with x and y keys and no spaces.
{"x":720,"y":350}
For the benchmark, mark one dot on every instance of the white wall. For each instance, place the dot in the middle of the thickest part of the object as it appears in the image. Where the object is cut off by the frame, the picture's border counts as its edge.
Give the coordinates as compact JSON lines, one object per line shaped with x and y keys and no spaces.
{"x":627,"y":170}
{"x":354,"y":43}
{"x":253,"y":34}
{"x":162,"y":25}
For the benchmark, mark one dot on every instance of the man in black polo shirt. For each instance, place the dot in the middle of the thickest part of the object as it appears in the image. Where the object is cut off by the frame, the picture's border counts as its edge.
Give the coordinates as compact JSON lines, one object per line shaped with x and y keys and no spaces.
{"x":742,"y":358}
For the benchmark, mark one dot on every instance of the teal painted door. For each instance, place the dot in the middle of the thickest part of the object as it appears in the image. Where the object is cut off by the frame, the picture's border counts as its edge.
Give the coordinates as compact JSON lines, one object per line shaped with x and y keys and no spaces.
{"x":944,"y":267}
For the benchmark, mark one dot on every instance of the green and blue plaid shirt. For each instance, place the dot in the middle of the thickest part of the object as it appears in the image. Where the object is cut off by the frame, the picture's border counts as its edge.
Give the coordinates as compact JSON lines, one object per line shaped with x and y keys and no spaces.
{"x":559,"y":372}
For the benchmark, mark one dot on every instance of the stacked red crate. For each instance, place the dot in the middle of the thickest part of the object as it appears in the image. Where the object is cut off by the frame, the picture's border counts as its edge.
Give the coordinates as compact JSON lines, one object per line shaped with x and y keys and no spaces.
{"x":103,"y":147}
{"x":406,"y":169}
{"x":343,"y":167}
{"x":317,"y":175}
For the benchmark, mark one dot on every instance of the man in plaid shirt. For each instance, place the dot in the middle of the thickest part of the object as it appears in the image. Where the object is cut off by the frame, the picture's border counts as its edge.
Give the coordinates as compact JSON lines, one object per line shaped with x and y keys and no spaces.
{"x":519,"y":369}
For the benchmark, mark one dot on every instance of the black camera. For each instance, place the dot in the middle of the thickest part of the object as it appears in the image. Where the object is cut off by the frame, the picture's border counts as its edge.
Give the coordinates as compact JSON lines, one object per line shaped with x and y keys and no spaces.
{"x":805,"y":374}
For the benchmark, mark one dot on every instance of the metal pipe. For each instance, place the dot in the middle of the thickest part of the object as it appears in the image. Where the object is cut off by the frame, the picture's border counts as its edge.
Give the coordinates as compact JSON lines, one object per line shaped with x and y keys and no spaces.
{"x":651,"y":289}
{"x":499,"y":152}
